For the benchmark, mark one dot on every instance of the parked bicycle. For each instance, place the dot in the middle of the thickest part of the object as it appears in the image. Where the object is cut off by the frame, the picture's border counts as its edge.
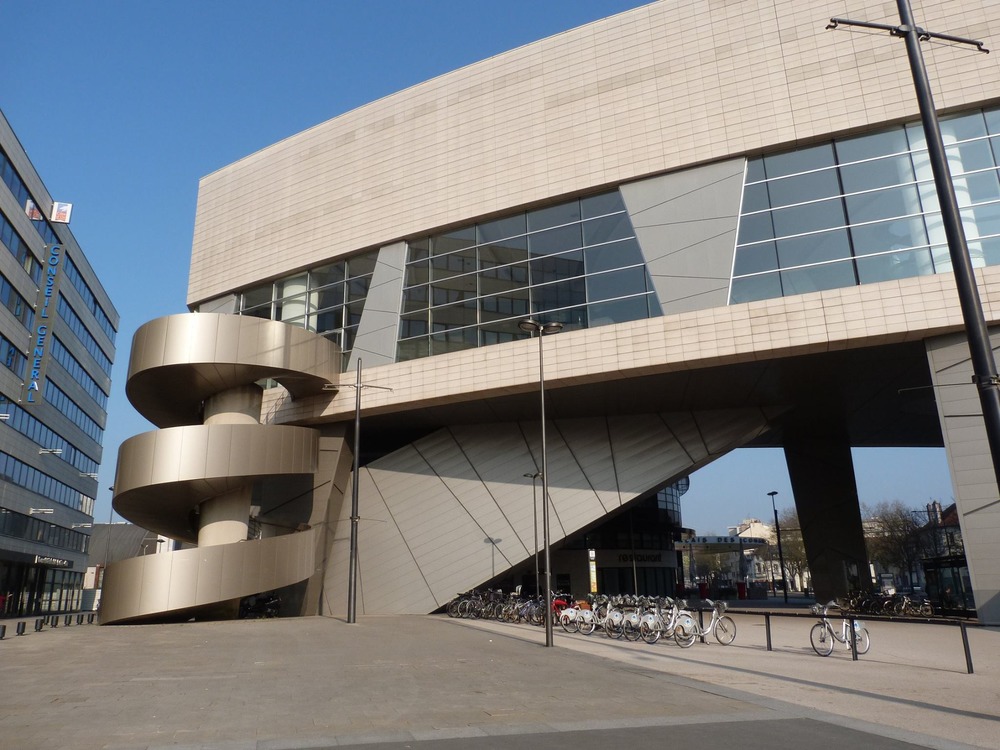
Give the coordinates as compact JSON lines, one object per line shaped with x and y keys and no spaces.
{"x":824,"y":636}
{"x":722,"y":626}
{"x":662,"y":618}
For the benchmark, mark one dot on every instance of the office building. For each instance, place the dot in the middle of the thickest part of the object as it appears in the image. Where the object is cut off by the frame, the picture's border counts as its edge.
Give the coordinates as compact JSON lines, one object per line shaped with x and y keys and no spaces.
{"x":57,"y":338}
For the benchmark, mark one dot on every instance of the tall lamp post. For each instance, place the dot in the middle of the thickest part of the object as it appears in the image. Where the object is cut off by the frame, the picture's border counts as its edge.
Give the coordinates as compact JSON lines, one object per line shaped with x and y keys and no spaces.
{"x":352,"y":571}
{"x":534,"y":517}
{"x":781,"y":556}
{"x":544,"y":329}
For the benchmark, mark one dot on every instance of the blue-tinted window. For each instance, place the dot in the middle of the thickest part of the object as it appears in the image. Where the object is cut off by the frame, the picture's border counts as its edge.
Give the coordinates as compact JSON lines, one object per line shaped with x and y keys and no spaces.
{"x":867,"y":203}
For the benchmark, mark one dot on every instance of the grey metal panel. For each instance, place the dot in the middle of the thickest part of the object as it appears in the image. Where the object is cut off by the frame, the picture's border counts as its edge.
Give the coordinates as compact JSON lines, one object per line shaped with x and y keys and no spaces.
{"x":590,"y":444}
{"x":378,"y":330}
{"x":143,"y":587}
{"x":234,"y":558}
{"x":162,"y":475}
{"x":209,"y":588}
{"x":183,"y":582}
{"x":686,"y":225}
{"x":970,"y":464}
{"x":155,"y":569}
{"x":180,"y":360}
{"x":225,"y":305}
{"x":433,"y":503}
{"x":387,"y":567}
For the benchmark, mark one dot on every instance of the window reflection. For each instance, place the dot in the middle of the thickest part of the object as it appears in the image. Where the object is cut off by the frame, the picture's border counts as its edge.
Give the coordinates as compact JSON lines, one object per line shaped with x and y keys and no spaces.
{"x":868,"y":202}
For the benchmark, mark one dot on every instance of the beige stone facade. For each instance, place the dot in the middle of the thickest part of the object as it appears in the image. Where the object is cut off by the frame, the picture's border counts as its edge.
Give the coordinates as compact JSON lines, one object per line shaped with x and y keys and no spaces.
{"x":666,"y":106}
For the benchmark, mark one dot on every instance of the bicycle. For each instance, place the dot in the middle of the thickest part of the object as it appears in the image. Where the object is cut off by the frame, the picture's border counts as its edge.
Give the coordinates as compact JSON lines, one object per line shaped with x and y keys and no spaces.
{"x":657,"y":622}
{"x":722,"y":626}
{"x":824,"y":635}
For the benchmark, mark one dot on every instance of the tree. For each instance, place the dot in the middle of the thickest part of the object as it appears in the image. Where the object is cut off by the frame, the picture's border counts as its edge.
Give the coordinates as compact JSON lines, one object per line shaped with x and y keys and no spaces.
{"x":890,"y":535}
{"x":792,"y":546}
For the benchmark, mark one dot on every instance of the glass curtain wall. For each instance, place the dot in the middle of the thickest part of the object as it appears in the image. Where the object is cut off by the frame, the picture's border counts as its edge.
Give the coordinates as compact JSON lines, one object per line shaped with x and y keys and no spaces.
{"x":577,"y":263}
{"x":864,"y":209}
{"x":327,"y":300}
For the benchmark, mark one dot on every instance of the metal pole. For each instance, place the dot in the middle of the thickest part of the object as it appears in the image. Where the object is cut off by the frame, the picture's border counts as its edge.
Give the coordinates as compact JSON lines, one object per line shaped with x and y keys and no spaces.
{"x":352,"y":581}
{"x":107,"y":546}
{"x":965,"y":645}
{"x":534,"y":518}
{"x":545,"y":500}
{"x":534,"y":515}
{"x":631,"y":537}
{"x":781,"y":555}
{"x":980,"y":347}
{"x":533,"y":326}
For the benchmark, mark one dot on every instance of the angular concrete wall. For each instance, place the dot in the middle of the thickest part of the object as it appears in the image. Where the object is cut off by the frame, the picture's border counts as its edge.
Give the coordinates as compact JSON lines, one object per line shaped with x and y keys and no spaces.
{"x":971,"y":464}
{"x":427,"y":508}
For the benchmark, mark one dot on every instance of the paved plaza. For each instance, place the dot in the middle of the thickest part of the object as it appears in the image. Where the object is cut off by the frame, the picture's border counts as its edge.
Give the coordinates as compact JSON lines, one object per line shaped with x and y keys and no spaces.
{"x":432,"y":682}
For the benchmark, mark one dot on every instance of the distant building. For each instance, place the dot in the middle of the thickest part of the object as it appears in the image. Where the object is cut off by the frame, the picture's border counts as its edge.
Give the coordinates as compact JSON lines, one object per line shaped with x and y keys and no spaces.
{"x":57,"y":344}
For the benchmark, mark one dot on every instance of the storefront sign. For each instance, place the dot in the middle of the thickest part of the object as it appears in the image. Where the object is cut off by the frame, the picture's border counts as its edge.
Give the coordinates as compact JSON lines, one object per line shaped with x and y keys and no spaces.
{"x":53,"y":562}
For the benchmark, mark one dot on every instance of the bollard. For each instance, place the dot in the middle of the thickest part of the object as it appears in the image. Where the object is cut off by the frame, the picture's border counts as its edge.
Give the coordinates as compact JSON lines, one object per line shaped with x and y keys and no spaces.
{"x":20,"y":628}
{"x":68,"y":620}
{"x":79,"y":619}
{"x":3,"y":632}
{"x":965,"y":645}
{"x":701,"y":625}
{"x":90,"y":619}
{"x":39,"y":623}
{"x":54,"y":622}
{"x":767,"y":630}
{"x":854,"y":640}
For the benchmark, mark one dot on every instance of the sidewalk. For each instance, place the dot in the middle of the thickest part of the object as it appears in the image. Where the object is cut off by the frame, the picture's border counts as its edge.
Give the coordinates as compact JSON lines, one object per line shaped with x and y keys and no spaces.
{"x":401,"y":681}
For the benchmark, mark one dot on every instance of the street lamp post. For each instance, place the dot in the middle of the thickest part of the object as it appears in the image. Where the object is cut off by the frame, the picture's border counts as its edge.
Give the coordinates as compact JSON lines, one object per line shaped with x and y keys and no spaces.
{"x":781,"y":556}
{"x":544,"y":329}
{"x":352,"y":569}
{"x":493,"y":542}
{"x":534,"y":518}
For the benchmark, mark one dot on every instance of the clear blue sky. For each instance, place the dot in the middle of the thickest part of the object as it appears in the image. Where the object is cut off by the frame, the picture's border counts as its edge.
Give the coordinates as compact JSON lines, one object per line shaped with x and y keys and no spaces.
{"x":123,"y":106}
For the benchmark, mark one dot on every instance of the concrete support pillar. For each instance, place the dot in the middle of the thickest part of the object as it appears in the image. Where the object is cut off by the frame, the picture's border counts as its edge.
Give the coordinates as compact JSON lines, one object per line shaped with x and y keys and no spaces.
{"x":826,"y":497}
{"x":240,"y":405}
{"x":224,"y":518}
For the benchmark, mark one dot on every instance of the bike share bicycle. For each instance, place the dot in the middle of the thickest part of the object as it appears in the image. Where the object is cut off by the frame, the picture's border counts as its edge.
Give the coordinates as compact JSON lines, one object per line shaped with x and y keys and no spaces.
{"x":687,"y":630}
{"x":824,"y":635}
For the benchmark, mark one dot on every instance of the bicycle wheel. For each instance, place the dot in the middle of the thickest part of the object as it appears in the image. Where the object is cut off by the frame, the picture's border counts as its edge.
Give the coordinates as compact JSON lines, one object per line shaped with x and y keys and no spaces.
{"x":631,"y":632}
{"x":587,"y":626}
{"x":725,"y":630}
{"x":568,"y":622}
{"x":821,"y":639}
{"x":683,"y":639}
{"x":453,"y":608}
{"x":862,"y":640}
{"x":650,"y":633}
{"x":615,"y":631}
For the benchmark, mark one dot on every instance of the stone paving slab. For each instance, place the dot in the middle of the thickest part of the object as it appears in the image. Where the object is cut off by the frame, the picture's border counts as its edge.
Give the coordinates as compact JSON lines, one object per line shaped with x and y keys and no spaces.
{"x":319,"y":682}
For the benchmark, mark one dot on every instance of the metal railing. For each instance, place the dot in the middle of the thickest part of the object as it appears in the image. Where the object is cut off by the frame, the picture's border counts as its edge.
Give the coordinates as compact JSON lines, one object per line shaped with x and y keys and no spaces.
{"x":962,"y":625}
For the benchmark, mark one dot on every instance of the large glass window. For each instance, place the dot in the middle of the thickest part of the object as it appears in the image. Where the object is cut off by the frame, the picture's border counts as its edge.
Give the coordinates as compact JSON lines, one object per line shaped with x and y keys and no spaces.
{"x":329,"y":299}
{"x":864,"y":209}
{"x":472,"y":285}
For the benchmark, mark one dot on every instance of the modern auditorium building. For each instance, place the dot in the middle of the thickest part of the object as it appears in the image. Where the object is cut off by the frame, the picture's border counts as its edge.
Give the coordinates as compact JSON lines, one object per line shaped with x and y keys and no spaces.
{"x":729,"y":209}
